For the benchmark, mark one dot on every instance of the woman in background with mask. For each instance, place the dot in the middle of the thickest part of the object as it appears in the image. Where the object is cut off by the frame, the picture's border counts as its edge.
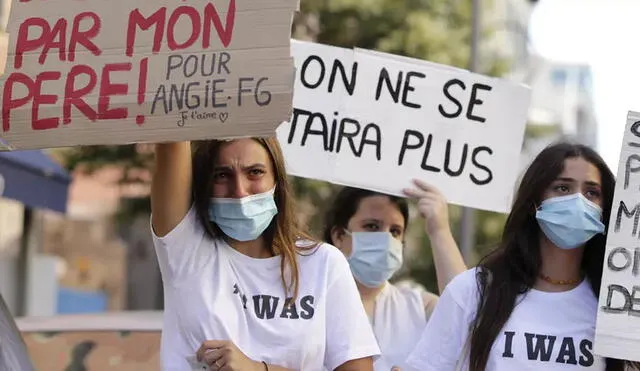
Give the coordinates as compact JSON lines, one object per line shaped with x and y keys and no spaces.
{"x":369,"y":228}
{"x":243,"y":291}
{"x":532,"y":304}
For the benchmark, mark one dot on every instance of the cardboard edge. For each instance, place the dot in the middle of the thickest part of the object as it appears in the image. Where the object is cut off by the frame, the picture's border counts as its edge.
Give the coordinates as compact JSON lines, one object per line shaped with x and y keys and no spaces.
{"x":633,"y":116}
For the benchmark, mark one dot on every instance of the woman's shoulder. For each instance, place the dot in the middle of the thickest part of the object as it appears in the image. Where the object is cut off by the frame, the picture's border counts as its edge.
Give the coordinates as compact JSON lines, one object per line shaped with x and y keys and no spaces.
{"x":318,"y":250}
{"x":464,"y":286}
{"x":322,"y":255}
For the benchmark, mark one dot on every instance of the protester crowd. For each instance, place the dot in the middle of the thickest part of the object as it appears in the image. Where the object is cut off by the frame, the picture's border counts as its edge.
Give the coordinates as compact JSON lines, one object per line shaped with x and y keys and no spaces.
{"x":247,"y":288}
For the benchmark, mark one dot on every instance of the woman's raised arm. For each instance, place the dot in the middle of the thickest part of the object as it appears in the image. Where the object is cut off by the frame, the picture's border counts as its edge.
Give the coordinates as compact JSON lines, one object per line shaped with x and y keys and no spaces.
{"x":170,"y":186}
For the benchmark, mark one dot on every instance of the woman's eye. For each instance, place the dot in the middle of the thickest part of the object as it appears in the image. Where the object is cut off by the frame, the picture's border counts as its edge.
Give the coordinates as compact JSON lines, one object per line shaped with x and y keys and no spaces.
{"x":562,"y":188}
{"x":371,"y":227}
{"x":593,"y":194}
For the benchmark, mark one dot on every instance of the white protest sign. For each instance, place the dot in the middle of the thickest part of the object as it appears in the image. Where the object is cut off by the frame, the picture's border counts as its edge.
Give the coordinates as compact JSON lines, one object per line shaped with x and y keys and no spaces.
{"x":618,"y":325}
{"x":376,"y":121}
{"x":123,"y":71}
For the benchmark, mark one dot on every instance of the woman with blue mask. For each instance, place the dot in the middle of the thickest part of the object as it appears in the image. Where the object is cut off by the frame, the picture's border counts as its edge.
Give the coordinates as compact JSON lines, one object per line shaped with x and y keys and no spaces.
{"x":245,"y":288}
{"x":369,"y":228}
{"x":532,"y":303}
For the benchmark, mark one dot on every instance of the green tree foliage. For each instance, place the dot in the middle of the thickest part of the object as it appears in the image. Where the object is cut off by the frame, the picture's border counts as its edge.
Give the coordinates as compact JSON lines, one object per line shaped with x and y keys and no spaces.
{"x":435,"y":30}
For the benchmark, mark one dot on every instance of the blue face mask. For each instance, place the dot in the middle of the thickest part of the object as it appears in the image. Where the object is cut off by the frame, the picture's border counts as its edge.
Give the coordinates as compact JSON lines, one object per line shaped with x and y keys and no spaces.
{"x":375,"y":257}
{"x":569,"y":221}
{"x":243,"y":219}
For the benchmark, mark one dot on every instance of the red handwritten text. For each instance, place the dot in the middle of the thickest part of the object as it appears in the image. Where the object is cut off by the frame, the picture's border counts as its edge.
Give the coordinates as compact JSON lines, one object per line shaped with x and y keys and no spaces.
{"x":38,"y":37}
{"x":199,"y":27}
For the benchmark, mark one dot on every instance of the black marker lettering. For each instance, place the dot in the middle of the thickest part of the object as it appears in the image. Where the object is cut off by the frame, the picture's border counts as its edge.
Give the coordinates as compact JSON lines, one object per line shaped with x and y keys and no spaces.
{"x":446,"y":90}
{"x":305,"y":67}
{"x":624,"y":253}
{"x":189,"y":97}
{"x":474,"y":161}
{"x":407,"y":145}
{"x":474,"y":101}
{"x":161,"y":96}
{"x":425,"y":157}
{"x":342,"y":134}
{"x":394,"y":91}
{"x":349,"y":84}
{"x":447,"y":160}
{"x":322,"y":132}
{"x":376,"y":141}
{"x":628,"y":170}
{"x":635,"y":131}
{"x":612,"y":289}
{"x":408,"y":88}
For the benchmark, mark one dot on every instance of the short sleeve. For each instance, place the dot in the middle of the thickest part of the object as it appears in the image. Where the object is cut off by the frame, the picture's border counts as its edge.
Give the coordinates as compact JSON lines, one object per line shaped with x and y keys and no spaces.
{"x":349,"y":333}
{"x":177,"y":250}
{"x":447,"y":330}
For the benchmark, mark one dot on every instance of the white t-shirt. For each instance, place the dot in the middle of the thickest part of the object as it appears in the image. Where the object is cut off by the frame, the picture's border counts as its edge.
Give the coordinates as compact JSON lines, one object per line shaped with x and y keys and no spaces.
{"x":546,"y":331}
{"x":399,"y":319}
{"x":213,"y":292}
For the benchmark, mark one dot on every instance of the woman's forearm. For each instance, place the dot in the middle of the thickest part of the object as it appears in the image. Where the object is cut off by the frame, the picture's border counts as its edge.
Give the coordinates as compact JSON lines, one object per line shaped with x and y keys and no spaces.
{"x":446,"y":257}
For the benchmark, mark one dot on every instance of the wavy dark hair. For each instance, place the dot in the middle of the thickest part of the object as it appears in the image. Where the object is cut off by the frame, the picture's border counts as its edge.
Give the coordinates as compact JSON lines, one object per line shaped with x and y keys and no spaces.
{"x":345,"y":204}
{"x":285,"y":230}
{"x":515,"y":265}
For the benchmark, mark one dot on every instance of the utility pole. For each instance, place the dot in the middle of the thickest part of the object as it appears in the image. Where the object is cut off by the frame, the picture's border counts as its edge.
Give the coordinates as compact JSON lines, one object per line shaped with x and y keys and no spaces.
{"x":468,"y":220}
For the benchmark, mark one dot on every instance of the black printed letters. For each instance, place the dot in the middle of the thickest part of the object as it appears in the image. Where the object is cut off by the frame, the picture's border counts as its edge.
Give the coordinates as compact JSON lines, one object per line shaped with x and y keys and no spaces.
{"x":549,"y":348}
{"x":268,"y":307}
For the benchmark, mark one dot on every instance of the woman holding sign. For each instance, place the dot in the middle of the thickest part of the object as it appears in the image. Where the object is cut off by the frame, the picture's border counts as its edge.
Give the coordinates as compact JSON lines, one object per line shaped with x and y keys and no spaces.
{"x":532,"y":304}
{"x":244,"y":288}
{"x":369,"y":228}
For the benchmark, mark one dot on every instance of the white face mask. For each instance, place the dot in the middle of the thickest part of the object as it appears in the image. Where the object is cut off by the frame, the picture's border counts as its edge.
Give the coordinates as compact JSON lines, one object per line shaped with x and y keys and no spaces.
{"x":375,"y":257}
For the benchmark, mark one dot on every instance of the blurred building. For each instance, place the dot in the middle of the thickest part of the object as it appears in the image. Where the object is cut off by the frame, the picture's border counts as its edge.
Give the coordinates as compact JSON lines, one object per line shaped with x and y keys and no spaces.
{"x":562,"y":106}
{"x":510,"y":21}
{"x":562,"y":94}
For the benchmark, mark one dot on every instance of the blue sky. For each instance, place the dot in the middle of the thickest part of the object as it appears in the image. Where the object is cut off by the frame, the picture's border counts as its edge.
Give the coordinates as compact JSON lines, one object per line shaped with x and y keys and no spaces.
{"x":603,"y":33}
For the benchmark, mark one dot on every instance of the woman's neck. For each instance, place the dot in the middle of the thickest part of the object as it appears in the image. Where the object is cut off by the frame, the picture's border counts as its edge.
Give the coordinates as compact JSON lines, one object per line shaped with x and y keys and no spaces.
{"x":559,"y":265}
{"x":256,"y":249}
{"x":368,"y":294}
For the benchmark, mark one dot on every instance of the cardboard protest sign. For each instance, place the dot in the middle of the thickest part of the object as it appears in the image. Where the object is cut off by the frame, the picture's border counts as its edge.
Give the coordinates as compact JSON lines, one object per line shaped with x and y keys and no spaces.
{"x":115,"y":72}
{"x":618,"y":325}
{"x":376,"y":121}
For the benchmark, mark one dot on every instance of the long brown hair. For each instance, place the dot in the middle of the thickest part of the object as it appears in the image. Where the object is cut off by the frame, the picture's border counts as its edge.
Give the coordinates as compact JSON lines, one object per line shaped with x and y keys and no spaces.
{"x":515,"y":265}
{"x":284,"y":231}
